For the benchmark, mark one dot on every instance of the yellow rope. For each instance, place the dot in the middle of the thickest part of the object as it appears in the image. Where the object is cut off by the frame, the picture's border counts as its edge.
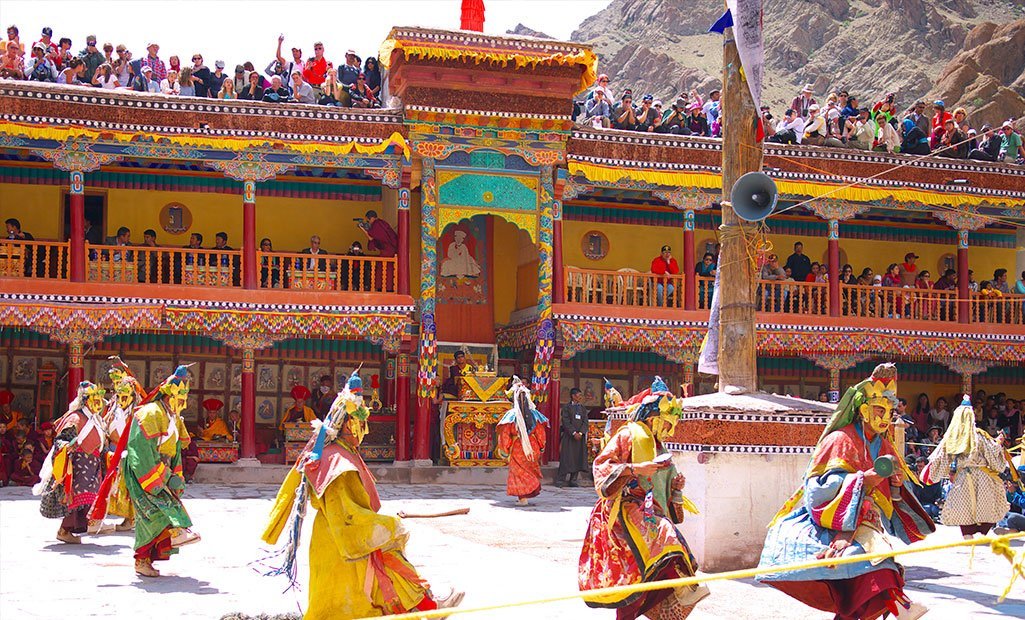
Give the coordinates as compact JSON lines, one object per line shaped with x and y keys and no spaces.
{"x":1000,"y":545}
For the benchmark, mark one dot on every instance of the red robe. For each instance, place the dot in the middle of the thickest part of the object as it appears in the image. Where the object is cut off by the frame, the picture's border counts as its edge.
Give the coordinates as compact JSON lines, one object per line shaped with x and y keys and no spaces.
{"x":524,"y":473}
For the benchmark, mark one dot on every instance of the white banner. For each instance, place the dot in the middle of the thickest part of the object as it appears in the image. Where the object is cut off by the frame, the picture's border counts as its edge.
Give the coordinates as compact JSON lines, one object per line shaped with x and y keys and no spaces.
{"x":747,"y":30}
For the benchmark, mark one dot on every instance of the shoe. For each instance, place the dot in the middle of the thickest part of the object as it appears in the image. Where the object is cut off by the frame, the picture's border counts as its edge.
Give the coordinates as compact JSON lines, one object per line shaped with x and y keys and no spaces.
{"x":125,"y":526}
{"x":522,"y":501}
{"x":145,"y":568}
{"x":560,"y":483}
{"x":67,"y":537}
{"x":1003,"y":531}
{"x":97,"y":528}
{"x":452,"y":599}
{"x":573,"y":483}
{"x":915,"y":611}
{"x":693,"y":595}
{"x":184,"y":537}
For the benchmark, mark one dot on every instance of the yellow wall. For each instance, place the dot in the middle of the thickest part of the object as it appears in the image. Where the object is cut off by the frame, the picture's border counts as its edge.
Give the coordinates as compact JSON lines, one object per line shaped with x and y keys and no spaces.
{"x":630,"y":245}
{"x":37,"y":207}
{"x":514,"y":266}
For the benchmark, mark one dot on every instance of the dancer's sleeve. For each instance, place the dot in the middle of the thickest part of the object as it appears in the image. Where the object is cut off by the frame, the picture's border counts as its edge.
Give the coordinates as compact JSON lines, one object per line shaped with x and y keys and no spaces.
{"x":835,"y":499}
{"x":611,"y":464}
{"x":355,"y":528}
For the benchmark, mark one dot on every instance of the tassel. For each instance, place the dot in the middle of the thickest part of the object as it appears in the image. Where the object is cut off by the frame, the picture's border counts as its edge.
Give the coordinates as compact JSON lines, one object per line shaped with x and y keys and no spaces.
{"x":289,"y":566}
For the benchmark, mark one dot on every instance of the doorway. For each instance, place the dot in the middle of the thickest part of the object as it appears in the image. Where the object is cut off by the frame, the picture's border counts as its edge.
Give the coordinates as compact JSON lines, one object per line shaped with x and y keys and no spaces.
{"x":95,"y":218}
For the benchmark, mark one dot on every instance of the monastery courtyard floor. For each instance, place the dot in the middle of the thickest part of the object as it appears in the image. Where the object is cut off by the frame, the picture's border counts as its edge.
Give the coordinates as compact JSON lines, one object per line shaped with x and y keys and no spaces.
{"x":497,"y":553}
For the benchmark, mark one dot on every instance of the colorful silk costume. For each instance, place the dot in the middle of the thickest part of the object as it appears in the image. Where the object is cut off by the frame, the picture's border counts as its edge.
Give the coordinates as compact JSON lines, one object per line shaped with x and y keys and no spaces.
{"x":521,"y":439}
{"x":834,"y":503}
{"x":973,"y":461}
{"x":152,"y":473}
{"x":118,"y":417}
{"x":76,"y":464}
{"x":631,"y":537}
{"x":358,"y":566}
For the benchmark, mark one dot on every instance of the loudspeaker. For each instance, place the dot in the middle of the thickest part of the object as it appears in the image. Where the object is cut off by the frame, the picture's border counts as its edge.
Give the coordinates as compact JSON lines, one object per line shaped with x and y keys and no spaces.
{"x":754,"y":196}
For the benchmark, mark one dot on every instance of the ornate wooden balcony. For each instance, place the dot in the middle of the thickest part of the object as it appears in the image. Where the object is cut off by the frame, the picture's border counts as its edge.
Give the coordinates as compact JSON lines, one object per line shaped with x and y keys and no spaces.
{"x":42,"y":260}
{"x":327,"y":272}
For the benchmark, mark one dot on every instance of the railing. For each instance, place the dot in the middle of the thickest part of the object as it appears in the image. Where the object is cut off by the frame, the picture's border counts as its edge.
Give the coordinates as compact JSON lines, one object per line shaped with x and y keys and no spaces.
{"x":790,"y":297}
{"x":1005,"y":310}
{"x":624,"y":288}
{"x":327,"y":272}
{"x":41,"y":260}
{"x":887,"y":302}
{"x":158,"y":265}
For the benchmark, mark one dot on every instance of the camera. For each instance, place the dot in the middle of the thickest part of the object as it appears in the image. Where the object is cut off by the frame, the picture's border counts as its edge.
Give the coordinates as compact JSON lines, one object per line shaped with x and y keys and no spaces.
{"x":362,"y":223}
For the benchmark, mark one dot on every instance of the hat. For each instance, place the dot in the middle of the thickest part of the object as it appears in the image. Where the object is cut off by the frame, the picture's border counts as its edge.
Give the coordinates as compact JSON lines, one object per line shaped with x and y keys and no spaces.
{"x":628,"y":95}
{"x":121,"y":47}
{"x":239,"y":68}
{"x":300,"y":392}
{"x":151,"y":44}
{"x":813,"y":107}
{"x":47,"y":31}
{"x":713,"y":91}
{"x":648,"y":98}
{"x":147,"y":69}
{"x":213,"y":404}
{"x":877,"y":278}
{"x":297,"y":49}
{"x":1007,"y":125}
{"x":972,"y":132}
{"x":910,"y":255}
{"x":986,"y":127}
{"x":603,"y":77}
{"x":658,"y":103}
{"x":807,"y":89}
{"x":939,"y":103}
{"x":38,"y":46}
{"x":6,"y":397}
{"x":694,"y":106}
{"x":45,"y":426}
{"x":362,"y":75}
{"x":666,"y":248}
{"x":350,"y":52}
{"x":219,"y":64}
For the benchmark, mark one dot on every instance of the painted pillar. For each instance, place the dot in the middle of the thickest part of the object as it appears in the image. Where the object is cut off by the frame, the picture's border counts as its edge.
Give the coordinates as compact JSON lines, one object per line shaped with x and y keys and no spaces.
{"x":963,"y":294}
{"x":688,"y":379}
{"x":833,"y":241}
{"x":76,"y":370}
{"x":558,"y":265}
{"x":402,"y":407}
{"x":544,"y":352}
{"x":966,"y":383}
{"x":402,"y":224}
{"x":834,"y":385}
{"x":689,"y":277}
{"x":250,"y":265}
{"x":554,"y":418}
{"x":248,"y":403}
{"x":77,"y":241}
{"x":427,"y":374}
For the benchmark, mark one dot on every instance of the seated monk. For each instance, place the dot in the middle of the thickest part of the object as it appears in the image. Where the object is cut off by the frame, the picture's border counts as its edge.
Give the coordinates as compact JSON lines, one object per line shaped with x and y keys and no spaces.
{"x":298,"y":412}
{"x":214,"y":428}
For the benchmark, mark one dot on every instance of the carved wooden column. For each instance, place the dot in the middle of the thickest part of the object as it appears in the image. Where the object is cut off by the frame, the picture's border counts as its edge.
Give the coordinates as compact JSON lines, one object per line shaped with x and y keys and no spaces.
{"x":402,"y":223}
{"x":248,"y":344}
{"x":402,"y":452}
{"x":834,"y":211}
{"x":558,"y":266}
{"x":552,"y":449}
{"x":834,"y":363}
{"x":964,"y":220}
{"x":967,"y":368}
{"x":544,"y":352}
{"x":76,"y":159}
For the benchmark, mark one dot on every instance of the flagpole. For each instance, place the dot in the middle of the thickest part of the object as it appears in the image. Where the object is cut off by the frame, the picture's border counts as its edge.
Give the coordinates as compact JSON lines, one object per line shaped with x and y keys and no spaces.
{"x":741,"y":153}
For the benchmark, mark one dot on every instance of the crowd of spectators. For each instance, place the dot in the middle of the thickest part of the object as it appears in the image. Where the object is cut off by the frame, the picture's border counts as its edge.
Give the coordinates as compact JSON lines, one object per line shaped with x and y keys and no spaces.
{"x":292,"y":79}
{"x":22,"y":447}
{"x":841,"y":122}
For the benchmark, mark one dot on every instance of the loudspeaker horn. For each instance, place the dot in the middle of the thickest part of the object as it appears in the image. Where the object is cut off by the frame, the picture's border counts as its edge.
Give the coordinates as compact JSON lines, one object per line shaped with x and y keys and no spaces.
{"x":754,"y":196}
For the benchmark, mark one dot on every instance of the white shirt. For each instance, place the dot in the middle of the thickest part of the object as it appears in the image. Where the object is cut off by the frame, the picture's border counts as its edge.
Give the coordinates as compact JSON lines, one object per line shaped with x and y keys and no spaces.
{"x":109,"y":83}
{"x":170,"y":89}
{"x":797,"y":125}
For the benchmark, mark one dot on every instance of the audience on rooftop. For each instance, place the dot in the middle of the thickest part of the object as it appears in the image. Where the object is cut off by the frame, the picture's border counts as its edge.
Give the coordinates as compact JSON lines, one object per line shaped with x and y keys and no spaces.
{"x":842,"y":122}
{"x":313,"y":80}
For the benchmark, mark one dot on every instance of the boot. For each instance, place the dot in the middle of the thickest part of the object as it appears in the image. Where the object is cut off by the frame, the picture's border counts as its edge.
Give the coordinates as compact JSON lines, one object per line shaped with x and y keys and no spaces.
{"x":125,"y":526}
{"x":915,"y":611}
{"x":560,"y":480}
{"x":184,"y":537}
{"x":522,"y":501}
{"x":99,"y":527}
{"x":145,"y":568}
{"x":573,"y":480}
{"x":67,"y":537}
{"x":450,"y":600}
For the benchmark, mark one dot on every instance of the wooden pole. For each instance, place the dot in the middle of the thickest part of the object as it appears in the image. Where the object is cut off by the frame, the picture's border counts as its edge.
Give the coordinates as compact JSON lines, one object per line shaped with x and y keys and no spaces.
{"x":741,"y":153}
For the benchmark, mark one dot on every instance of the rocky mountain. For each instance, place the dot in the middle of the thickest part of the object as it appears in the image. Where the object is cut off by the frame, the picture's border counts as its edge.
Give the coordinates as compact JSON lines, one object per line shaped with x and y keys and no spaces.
{"x":869,"y":47}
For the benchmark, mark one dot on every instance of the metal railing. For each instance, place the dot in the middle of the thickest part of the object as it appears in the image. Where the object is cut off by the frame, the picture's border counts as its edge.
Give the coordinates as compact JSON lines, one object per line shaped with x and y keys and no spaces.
{"x":327,"y":272}
{"x":41,"y":260}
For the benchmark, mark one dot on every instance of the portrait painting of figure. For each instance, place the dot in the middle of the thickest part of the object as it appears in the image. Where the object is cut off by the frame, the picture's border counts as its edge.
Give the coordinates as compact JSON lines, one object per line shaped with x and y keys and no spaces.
{"x":459,"y":261}
{"x":462,"y":263}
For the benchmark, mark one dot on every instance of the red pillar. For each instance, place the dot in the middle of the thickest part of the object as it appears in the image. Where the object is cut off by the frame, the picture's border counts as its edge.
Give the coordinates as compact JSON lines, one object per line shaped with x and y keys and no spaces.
{"x":248,"y":404}
{"x":402,"y":407}
{"x":76,"y":372}
{"x":422,"y":430}
{"x":834,"y":267}
{"x":77,"y":240}
{"x":689,"y":277}
{"x":403,"y":232}
{"x":250,"y":274}
{"x":963,"y":294}
{"x":558,"y":271}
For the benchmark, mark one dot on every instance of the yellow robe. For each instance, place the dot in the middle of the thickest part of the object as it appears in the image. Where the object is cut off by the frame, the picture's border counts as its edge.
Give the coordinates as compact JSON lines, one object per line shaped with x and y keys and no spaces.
{"x":218,"y":427}
{"x":309,"y":415}
{"x":349,"y":536}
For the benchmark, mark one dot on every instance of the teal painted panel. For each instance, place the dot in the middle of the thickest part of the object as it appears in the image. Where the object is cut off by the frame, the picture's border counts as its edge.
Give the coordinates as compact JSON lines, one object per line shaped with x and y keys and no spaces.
{"x":487,"y":191}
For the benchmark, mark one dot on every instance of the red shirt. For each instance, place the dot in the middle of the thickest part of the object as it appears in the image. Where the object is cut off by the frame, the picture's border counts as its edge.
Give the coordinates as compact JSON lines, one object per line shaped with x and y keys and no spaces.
{"x":315,"y":71}
{"x":661,"y":267}
{"x":938,"y":120}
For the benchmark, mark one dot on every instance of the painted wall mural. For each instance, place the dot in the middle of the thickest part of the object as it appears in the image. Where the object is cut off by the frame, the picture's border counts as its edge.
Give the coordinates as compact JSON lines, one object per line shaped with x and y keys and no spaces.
{"x":462,"y":268}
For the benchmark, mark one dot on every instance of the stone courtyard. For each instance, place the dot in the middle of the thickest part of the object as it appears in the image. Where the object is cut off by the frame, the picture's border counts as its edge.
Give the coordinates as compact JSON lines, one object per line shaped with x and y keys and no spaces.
{"x":497,"y":553}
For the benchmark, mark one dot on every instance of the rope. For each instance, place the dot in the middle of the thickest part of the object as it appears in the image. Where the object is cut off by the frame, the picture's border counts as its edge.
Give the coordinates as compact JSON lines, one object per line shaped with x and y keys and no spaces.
{"x":1000,"y":545}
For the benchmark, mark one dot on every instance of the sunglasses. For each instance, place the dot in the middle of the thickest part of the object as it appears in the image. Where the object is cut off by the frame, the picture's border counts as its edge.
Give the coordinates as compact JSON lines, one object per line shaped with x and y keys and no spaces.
{"x":197,"y":58}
